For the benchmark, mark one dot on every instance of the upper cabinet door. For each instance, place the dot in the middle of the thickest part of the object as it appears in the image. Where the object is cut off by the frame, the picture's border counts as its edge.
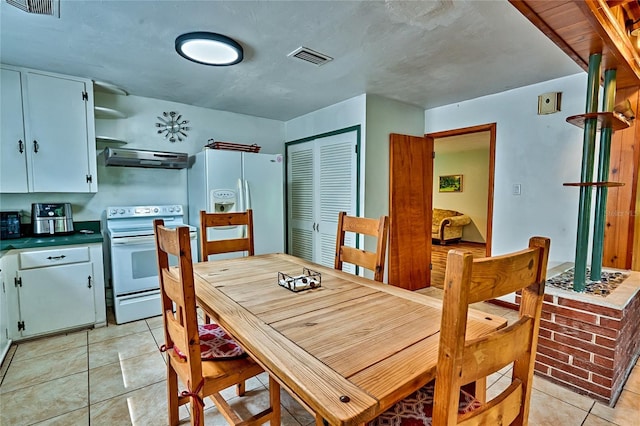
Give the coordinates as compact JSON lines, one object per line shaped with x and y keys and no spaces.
{"x":57,"y":131}
{"x":13,"y":163}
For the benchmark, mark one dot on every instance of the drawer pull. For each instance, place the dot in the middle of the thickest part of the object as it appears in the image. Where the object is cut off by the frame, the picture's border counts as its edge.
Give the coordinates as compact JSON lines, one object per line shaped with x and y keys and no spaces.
{"x":56,"y":257}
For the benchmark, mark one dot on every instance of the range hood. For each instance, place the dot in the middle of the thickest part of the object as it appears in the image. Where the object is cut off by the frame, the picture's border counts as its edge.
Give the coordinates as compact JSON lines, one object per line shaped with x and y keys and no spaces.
{"x":142,"y":158}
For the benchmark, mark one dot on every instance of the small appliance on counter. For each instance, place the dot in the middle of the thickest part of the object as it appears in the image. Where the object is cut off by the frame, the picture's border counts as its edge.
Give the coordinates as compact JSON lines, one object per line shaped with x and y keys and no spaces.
{"x":9,"y":224}
{"x":51,"y":218}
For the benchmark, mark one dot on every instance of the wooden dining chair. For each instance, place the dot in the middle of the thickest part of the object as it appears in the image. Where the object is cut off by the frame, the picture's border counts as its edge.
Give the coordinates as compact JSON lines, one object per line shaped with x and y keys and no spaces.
{"x":361,"y":225}
{"x":204,"y":357}
{"x":217,"y":220}
{"x":461,"y":361}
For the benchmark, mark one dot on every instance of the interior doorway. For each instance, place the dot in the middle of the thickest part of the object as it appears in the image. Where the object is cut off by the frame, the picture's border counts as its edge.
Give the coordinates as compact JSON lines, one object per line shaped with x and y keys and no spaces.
{"x":469,"y":154}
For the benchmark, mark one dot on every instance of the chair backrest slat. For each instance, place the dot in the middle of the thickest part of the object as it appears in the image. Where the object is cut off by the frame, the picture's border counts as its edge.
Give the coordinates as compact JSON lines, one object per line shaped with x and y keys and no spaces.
{"x":215,"y":220}
{"x":467,"y":281}
{"x":361,"y":225}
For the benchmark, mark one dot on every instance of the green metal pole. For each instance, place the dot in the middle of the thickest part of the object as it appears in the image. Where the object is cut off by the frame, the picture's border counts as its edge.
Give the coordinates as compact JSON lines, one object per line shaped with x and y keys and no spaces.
{"x":604,"y":156}
{"x":586,"y":174}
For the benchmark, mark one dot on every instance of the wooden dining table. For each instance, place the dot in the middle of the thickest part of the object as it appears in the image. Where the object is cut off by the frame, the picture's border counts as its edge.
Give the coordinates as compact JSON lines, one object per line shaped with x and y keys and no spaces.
{"x":346,"y":350}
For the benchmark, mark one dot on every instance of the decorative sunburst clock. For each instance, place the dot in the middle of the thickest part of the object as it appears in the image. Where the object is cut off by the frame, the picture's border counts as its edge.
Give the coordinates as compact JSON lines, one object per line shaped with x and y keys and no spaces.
{"x":172,"y":127}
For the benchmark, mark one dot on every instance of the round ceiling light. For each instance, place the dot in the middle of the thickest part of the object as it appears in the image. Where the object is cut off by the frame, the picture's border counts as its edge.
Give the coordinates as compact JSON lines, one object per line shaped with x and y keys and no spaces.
{"x":209,"y":49}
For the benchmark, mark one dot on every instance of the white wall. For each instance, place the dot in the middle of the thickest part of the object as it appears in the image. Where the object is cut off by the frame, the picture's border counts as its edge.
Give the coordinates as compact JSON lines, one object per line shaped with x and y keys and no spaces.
{"x":137,"y":186}
{"x":540,"y":152}
{"x":472,"y":201}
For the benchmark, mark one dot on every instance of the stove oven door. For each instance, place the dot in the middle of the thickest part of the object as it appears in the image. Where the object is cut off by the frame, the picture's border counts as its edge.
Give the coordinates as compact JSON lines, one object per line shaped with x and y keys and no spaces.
{"x":134,"y":264}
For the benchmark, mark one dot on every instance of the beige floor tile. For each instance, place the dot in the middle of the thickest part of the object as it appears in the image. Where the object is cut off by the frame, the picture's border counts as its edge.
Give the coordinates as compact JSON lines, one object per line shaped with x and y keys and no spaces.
{"x":32,"y":371}
{"x":130,"y":374}
{"x":498,"y":386}
{"x":625,"y":413}
{"x":7,"y":361}
{"x":76,"y":418}
{"x":142,"y":407}
{"x":154,"y":322}
{"x":633,"y":382}
{"x":295,"y":409}
{"x":44,"y":401}
{"x":597,"y":421}
{"x":549,"y":411}
{"x":50,"y":345}
{"x":158,"y":335}
{"x":564,"y":394}
{"x":113,"y":331}
{"x":114,"y":350}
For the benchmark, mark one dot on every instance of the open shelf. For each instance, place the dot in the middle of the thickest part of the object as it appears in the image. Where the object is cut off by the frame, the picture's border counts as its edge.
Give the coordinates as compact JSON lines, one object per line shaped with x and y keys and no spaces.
{"x":104,"y":87}
{"x":606,"y":120}
{"x":110,"y":113}
{"x":109,"y":141}
{"x":594,"y":184}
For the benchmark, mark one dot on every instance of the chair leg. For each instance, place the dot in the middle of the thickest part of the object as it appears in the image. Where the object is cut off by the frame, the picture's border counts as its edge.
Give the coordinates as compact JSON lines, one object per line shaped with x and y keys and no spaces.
{"x":172,"y":395}
{"x":274,"y":399}
{"x":240,"y":388}
{"x":197,"y":413}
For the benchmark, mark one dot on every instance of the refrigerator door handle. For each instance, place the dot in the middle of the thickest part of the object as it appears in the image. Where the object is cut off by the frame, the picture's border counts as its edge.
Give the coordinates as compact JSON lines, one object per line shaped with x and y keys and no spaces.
{"x":239,"y":197}
{"x":247,"y":195}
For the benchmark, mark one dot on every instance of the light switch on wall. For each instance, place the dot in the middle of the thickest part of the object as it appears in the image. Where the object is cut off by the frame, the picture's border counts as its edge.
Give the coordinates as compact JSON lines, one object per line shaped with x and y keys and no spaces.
{"x":517,"y":189}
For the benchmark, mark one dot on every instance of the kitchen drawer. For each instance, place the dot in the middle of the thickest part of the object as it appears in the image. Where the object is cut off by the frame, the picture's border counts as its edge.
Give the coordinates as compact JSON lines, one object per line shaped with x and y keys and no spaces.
{"x":62,"y":256}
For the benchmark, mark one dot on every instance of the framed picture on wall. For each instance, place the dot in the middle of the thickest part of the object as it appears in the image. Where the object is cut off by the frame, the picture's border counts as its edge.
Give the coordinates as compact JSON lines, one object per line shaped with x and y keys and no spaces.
{"x":450,"y":183}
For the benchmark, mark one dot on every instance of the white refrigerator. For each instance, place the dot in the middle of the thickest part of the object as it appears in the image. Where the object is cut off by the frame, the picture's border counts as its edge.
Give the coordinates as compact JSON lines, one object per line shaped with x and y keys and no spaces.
{"x":233,"y":181}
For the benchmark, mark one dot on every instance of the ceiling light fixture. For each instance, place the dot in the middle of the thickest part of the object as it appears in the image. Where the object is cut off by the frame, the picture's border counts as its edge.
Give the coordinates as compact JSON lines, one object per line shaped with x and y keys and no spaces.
{"x":209,"y":49}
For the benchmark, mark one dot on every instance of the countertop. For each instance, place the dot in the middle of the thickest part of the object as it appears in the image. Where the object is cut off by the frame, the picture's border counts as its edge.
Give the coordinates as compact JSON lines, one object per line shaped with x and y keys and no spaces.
{"x":57,"y":240}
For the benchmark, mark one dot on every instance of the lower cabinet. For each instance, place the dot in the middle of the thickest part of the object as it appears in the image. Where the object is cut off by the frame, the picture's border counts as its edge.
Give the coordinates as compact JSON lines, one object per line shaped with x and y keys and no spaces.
{"x":4,"y":318}
{"x":54,"y":289}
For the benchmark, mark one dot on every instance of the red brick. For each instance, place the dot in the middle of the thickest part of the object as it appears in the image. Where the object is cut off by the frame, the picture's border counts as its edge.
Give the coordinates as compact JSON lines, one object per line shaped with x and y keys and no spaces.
{"x":570,"y":313}
{"x":552,"y":326}
{"x":576,"y":389}
{"x":610,"y":323}
{"x":607,"y":343}
{"x":604,"y":381}
{"x":541,"y":368}
{"x":561,"y":348}
{"x":606,"y":332}
{"x":594,"y":368}
{"x":603,"y":361}
{"x":590,"y":307}
{"x":544,"y":333}
{"x":584,"y":384}
{"x":548,"y":298}
{"x":545,"y":315}
{"x":550,"y":361}
{"x":587,"y":346}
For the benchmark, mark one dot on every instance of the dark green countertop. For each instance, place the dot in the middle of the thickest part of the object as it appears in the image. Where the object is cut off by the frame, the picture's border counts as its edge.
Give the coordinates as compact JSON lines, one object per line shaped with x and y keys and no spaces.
{"x":57,"y":240}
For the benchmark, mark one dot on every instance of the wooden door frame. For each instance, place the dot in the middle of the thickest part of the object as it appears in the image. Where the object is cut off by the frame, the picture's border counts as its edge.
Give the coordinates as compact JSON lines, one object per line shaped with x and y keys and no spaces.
{"x":491,"y":128}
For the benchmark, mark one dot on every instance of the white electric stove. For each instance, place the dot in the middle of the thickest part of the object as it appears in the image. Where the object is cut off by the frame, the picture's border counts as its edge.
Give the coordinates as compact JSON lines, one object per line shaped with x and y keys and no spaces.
{"x":132,"y":252}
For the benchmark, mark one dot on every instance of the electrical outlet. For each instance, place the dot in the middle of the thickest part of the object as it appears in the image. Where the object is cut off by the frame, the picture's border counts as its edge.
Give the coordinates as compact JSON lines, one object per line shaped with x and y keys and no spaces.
{"x":517,"y":189}
{"x":548,"y":103}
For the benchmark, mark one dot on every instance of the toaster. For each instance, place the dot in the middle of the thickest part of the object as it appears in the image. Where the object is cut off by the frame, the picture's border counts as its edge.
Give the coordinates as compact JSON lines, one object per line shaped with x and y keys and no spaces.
{"x":51,"y":218}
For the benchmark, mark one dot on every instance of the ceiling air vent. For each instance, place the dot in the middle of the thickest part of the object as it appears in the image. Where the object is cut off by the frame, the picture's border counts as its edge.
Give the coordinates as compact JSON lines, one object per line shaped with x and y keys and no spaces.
{"x":309,"y":55}
{"x":39,"y":7}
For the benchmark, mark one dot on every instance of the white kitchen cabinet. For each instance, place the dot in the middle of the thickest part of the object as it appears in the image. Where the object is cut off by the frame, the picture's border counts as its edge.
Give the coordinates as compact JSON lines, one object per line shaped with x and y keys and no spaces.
{"x":54,"y":289}
{"x":55,"y":140}
{"x":321,"y":182}
{"x":13,"y":157}
{"x":4,"y":317}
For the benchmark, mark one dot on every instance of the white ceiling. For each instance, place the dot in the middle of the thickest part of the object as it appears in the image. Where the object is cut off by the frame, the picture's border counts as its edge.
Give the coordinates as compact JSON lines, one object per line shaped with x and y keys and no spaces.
{"x":426,"y":53}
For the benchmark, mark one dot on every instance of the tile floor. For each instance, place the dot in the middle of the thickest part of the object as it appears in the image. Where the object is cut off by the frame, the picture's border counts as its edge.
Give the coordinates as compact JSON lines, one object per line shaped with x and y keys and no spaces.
{"x":90,"y":377}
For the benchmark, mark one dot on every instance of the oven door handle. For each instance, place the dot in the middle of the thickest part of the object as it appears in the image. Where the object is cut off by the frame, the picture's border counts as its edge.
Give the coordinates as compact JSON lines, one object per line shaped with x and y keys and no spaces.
{"x":142,"y":240}
{"x":133,"y":240}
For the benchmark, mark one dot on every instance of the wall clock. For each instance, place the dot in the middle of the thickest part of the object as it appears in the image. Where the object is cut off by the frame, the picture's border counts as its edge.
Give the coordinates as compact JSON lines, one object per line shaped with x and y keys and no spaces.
{"x":172,"y":127}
